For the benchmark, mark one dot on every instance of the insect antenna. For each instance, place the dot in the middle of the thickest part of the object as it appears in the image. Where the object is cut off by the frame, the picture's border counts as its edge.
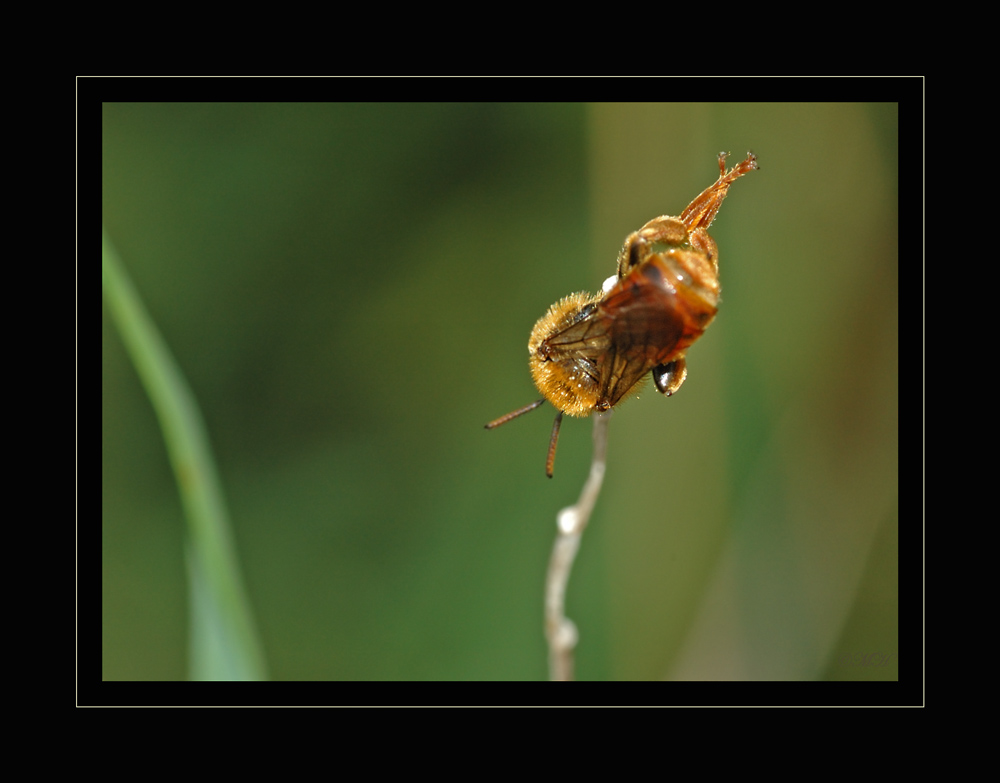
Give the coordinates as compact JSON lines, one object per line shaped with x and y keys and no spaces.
{"x":514,"y":414}
{"x":551,"y":459}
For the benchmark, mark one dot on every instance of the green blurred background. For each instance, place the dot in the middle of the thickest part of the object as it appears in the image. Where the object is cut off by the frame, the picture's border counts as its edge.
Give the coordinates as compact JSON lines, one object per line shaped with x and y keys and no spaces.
{"x":349,"y":290}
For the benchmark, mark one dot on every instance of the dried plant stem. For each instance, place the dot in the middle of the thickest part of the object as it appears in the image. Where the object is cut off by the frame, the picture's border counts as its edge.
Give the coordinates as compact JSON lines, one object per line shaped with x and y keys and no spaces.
{"x":571,"y":522}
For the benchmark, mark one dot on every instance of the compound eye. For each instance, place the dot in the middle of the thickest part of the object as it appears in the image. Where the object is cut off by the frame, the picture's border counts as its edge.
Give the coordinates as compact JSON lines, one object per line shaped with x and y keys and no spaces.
{"x":669,"y":377}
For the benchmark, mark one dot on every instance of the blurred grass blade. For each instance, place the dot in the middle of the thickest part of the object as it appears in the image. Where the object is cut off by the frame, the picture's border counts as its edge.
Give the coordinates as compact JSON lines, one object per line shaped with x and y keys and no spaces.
{"x":224,"y":643}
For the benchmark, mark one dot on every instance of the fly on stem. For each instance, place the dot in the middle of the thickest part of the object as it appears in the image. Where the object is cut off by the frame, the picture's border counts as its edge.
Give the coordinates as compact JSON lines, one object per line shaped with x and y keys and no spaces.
{"x":589,"y":351}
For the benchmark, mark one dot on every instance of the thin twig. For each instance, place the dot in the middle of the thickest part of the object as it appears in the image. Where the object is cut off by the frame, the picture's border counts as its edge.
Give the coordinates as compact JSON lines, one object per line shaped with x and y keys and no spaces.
{"x":559,"y":629}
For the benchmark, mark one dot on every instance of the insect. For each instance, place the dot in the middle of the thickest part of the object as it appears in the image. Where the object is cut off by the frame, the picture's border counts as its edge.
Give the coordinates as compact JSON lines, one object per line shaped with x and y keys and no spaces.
{"x":589,"y":350}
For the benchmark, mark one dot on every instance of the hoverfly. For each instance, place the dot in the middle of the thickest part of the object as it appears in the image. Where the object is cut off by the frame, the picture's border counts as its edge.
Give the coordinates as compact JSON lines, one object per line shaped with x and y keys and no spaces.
{"x":589,"y":350}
